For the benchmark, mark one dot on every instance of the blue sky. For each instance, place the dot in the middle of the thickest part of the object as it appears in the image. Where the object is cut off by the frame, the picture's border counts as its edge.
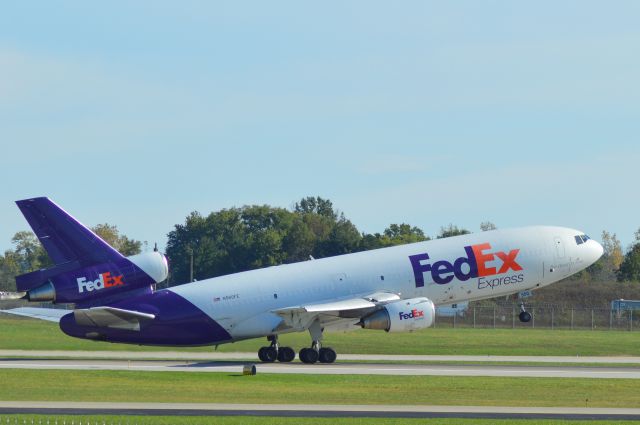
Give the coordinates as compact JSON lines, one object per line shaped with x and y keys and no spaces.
{"x":136,"y":113}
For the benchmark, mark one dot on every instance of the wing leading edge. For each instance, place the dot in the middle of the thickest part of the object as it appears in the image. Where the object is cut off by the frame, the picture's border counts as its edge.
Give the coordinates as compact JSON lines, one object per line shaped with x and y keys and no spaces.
{"x":334,"y":314}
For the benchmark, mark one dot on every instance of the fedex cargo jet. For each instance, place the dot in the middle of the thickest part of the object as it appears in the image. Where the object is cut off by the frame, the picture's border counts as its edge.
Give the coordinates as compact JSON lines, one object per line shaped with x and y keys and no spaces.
{"x":391,"y":289}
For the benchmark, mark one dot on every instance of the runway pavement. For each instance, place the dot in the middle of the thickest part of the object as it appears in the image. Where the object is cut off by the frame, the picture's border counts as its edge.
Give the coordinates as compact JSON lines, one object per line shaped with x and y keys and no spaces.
{"x":216,"y":355}
{"x":212,"y":362}
{"x":328,"y":369}
{"x":300,"y":410}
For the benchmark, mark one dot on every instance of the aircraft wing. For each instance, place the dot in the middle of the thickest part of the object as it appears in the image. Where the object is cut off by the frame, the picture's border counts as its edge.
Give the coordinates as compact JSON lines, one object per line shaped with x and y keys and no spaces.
{"x":333,"y":313}
{"x":48,"y":314}
{"x":330,"y":307}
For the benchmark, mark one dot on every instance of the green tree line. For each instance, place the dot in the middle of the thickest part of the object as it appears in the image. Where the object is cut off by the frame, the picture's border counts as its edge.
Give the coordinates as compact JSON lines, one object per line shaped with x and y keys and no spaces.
{"x":255,"y":236}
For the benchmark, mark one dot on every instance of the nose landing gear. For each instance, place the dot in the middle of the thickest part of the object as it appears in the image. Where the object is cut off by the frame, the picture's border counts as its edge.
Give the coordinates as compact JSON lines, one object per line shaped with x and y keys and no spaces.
{"x":524,"y":315}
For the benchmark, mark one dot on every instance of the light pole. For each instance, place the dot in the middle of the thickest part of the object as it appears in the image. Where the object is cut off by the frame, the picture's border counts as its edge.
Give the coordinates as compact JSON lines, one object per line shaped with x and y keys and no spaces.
{"x":190,"y":264}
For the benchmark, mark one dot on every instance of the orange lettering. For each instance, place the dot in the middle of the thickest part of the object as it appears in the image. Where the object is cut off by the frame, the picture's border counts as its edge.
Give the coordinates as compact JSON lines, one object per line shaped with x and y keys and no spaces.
{"x":482,"y":259}
{"x":509,"y":261}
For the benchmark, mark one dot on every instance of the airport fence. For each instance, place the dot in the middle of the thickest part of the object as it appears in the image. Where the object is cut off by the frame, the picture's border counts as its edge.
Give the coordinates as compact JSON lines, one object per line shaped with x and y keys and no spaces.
{"x":546,"y":317}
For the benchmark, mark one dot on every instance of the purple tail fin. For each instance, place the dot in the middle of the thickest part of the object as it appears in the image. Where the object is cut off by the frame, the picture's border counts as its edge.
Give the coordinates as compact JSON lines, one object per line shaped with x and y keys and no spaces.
{"x":65,"y":239}
{"x":87,"y":270}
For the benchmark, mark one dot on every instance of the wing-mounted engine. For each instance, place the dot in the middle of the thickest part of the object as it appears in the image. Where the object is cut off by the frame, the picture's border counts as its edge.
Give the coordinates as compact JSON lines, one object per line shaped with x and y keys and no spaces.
{"x":401,"y":316}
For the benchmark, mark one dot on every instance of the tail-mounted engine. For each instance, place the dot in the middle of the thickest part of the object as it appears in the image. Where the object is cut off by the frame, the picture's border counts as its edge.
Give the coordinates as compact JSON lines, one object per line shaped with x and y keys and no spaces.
{"x":105,"y":280}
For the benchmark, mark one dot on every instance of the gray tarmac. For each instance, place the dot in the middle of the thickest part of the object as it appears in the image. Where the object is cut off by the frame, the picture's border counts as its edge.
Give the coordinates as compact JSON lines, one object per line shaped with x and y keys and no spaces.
{"x":216,"y":355}
{"x":315,"y":410}
{"x":234,"y":362}
{"x":326,"y":369}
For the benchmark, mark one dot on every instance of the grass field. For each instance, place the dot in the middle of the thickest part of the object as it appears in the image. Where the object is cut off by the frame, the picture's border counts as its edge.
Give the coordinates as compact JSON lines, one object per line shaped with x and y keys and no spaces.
{"x":30,"y":334}
{"x":242,"y":420}
{"x":128,"y":386}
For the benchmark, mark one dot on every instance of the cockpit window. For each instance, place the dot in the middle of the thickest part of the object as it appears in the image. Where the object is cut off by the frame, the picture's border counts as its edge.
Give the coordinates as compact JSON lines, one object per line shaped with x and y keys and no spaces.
{"x":580,"y":239}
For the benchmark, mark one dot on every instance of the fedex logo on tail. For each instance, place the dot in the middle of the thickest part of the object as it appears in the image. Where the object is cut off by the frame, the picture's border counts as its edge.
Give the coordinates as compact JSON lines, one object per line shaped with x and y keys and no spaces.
{"x":476,"y":262}
{"x":413,"y":314}
{"x":104,"y":280}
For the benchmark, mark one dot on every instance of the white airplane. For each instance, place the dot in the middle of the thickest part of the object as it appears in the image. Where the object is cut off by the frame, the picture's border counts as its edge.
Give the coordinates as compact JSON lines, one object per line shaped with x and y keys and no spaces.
{"x":391,"y":289}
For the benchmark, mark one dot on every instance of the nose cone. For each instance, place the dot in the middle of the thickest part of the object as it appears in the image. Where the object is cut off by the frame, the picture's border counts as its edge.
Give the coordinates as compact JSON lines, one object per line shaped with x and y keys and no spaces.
{"x":595,"y":251}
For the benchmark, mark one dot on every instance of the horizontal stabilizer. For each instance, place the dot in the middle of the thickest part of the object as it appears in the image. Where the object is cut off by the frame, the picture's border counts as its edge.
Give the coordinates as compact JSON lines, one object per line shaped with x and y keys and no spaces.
{"x":111,"y":317}
{"x":9,"y":296}
{"x":48,"y":314}
{"x":30,"y":280}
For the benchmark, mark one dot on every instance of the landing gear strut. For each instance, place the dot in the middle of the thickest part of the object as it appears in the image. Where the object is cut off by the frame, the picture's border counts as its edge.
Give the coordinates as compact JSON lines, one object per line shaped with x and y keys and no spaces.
{"x":524,"y":315}
{"x":274,"y":352}
{"x":317,"y":352}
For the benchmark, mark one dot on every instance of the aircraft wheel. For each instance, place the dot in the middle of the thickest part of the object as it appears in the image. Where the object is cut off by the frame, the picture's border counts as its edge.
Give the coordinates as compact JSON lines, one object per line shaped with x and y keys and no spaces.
{"x":327,"y":355}
{"x":268,"y":354}
{"x":525,"y":316}
{"x":261,"y":353}
{"x":271,"y":354}
{"x":308,"y":355}
{"x":286,"y":354}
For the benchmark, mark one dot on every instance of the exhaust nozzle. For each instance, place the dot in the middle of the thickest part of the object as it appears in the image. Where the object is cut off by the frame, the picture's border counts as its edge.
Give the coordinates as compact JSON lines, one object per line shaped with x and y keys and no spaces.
{"x":46,"y":292}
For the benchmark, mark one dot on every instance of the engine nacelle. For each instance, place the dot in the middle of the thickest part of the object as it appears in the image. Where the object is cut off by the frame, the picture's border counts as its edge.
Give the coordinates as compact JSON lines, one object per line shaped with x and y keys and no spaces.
{"x":402,"y":316}
{"x":153,"y":264}
{"x":110,"y":280}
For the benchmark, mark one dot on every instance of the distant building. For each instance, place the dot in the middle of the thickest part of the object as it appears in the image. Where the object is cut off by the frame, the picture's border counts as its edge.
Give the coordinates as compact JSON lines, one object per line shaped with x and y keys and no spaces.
{"x":618,"y":306}
{"x":451,"y":310}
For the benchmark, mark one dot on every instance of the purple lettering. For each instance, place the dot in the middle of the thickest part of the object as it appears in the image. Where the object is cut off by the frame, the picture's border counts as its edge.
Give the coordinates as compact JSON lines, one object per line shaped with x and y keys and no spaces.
{"x":439,"y":269}
{"x":443,"y":272}
{"x":418,"y":268}
{"x":470,"y":259}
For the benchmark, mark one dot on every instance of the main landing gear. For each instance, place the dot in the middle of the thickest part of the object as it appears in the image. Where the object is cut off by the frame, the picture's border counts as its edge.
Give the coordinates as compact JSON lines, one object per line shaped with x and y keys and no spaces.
{"x":524,"y":315}
{"x":309,"y":355}
{"x":275,"y":352}
{"x":317,"y":353}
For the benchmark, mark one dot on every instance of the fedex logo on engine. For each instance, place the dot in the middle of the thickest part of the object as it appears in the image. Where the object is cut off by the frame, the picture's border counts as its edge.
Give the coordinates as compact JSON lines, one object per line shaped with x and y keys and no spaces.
{"x":104,"y":280}
{"x":413,"y":314}
{"x":476,"y":263}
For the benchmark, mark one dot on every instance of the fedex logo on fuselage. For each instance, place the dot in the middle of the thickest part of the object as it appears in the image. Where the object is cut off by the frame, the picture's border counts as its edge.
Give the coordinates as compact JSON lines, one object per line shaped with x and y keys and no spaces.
{"x":413,"y":314}
{"x":104,"y":280}
{"x":476,"y":261}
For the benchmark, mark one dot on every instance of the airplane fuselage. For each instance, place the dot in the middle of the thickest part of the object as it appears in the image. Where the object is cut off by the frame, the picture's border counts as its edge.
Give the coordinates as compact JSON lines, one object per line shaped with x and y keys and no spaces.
{"x":451,"y":270}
